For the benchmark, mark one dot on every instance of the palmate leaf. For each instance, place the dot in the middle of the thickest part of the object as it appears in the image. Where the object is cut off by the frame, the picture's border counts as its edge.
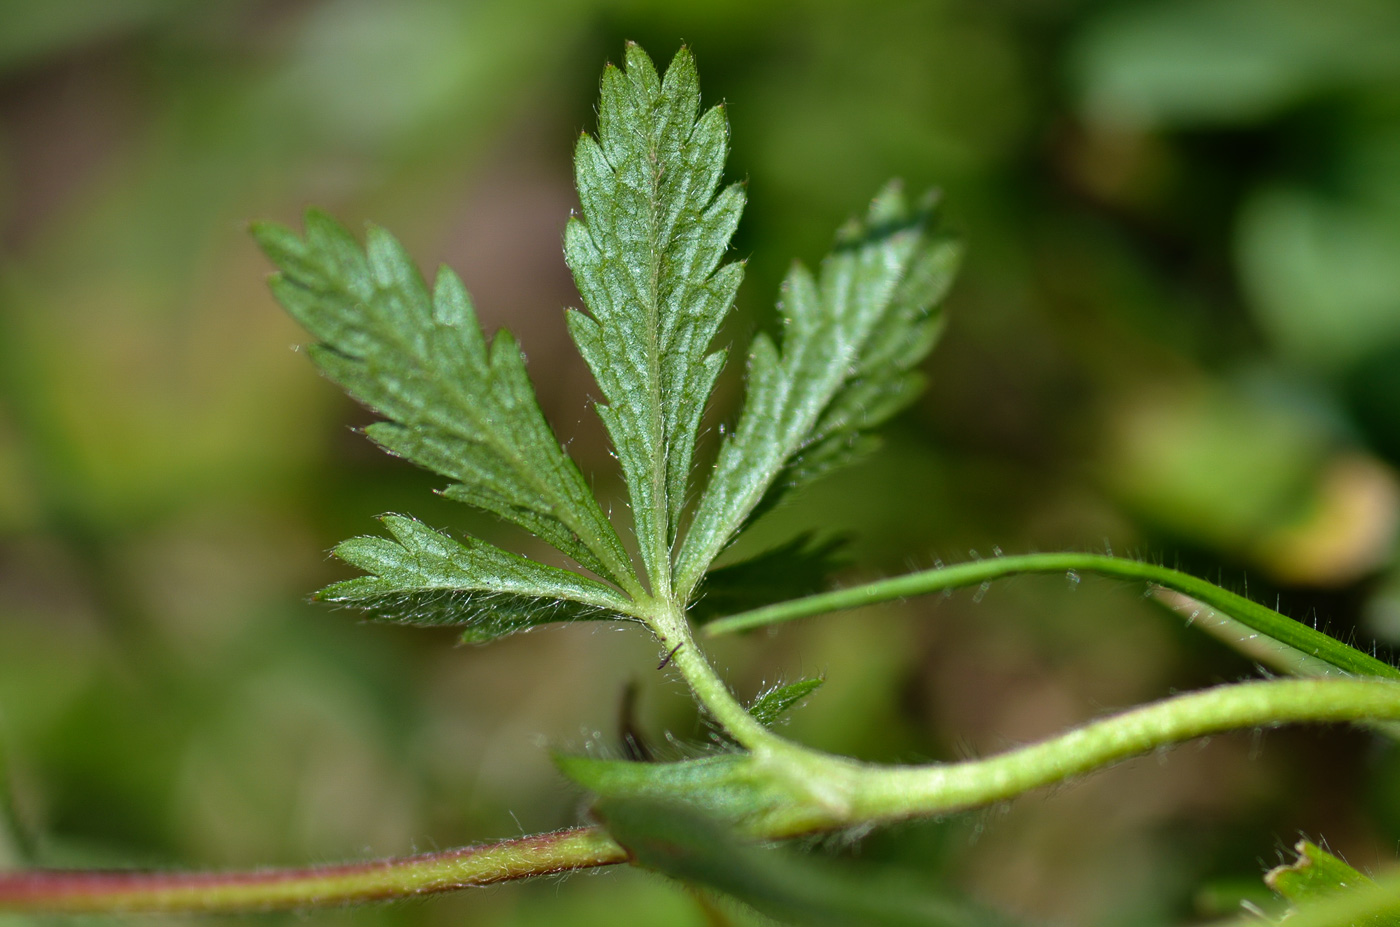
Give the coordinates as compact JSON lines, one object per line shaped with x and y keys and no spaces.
{"x":851,"y":340}
{"x":647,"y":254}
{"x":646,"y":257}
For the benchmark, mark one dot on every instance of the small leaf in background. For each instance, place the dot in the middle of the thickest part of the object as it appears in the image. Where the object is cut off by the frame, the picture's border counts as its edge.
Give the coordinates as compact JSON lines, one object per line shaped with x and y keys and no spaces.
{"x":801,"y":567}
{"x":1203,"y":62}
{"x":1244,"y":474}
{"x":686,"y":845}
{"x":1320,"y":271}
{"x":771,"y":705}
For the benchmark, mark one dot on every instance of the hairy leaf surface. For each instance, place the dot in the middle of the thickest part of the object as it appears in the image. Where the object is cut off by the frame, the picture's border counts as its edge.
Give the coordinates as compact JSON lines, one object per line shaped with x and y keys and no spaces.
{"x":770,"y":706}
{"x":850,"y":342}
{"x":1314,"y":874}
{"x":456,"y":405}
{"x":646,"y":257}
{"x":423,"y":577}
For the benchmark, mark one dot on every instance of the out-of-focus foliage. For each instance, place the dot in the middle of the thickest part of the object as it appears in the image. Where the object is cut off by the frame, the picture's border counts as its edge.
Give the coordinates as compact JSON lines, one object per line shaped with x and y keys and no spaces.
{"x":1316,"y":232}
{"x":1178,"y":333}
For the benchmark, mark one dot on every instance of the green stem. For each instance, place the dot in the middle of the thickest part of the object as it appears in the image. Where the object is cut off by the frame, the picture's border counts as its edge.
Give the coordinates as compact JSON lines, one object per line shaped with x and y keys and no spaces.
{"x":673,"y":630}
{"x":70,"y":892}
{"x":1257,"y":617}
{"x":865,"y":794}
{"x":890,"y":793}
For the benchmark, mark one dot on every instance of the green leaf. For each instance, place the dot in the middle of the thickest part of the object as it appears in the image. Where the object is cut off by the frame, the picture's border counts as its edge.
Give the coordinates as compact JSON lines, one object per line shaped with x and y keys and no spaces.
{"x":851,"y":340}
{"x":1369,"y":905}
{"x":685,"y":844}
{"x":1314,"y":874}
{"x":456,"y":405}
{"x":646,"y":257}
{"x":769,"y":707}
{"x":789,"y":571}
{"x":729,"y":786}
{"x":1323,"y":891}
{"x":423,"y":577}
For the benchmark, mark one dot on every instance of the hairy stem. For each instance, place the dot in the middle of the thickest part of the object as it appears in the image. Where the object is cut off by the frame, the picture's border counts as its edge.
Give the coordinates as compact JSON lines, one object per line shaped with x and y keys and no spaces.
{"x":1251,"y":614}
{"x":853,"y":794}
{"x":673,"y":630}
{"x":53,"y":891}
{"x":899,"y":792}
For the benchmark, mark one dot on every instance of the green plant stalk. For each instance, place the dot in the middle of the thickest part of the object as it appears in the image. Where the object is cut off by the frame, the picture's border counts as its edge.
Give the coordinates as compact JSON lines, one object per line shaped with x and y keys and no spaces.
{"x":75,"y":892}
{"x":849,"y":794}
{"x":1251,"y":614}
{"x":673,"y":631}
{"x":891,"y":793}
{"x":1260,"y":648}
{"x":827,"y":792}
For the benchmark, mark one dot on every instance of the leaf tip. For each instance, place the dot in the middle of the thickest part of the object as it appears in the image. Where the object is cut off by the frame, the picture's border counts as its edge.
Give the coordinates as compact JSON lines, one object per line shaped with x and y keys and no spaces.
{"x":274,"y":239}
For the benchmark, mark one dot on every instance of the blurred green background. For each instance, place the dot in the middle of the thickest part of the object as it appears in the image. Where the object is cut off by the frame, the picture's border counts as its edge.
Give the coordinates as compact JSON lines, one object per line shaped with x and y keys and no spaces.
{"x":1177,"y":336}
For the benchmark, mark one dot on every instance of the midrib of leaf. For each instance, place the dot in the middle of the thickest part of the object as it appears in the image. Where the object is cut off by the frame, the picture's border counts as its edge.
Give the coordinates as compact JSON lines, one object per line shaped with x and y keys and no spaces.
{"x":659,"y":561}
{"x":657,"y":556}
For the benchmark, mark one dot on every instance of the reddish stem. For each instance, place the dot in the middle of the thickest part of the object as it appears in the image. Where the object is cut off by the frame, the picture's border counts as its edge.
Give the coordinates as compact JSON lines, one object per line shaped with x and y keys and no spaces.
{"x":59,"y":891}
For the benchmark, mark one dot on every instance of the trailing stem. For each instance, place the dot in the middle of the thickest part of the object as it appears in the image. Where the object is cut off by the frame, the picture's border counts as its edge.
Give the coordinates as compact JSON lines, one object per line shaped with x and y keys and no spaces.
{"x":901,"y":792}
{"x":73,"y":892}
{"x":852,"y":794}
{"x":1311,"y":644}
{"x":673,"y":631}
